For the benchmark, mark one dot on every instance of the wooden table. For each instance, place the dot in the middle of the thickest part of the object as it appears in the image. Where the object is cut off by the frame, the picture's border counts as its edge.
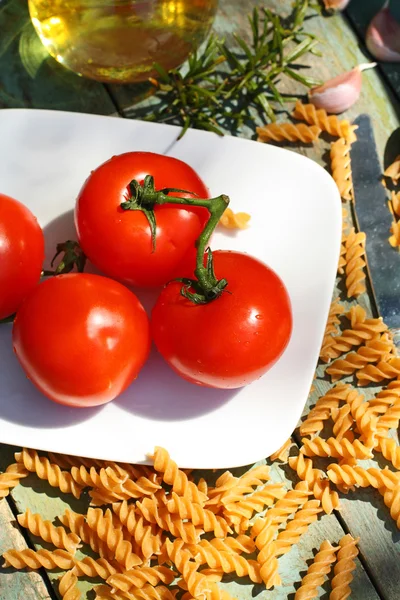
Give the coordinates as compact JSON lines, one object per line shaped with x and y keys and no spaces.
{"x":28,"y":78}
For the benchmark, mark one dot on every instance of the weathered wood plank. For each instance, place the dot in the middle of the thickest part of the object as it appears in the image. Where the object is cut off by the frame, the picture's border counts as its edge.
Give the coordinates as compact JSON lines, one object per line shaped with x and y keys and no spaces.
{"x":17,"y":585}
{"x":29,"y":77}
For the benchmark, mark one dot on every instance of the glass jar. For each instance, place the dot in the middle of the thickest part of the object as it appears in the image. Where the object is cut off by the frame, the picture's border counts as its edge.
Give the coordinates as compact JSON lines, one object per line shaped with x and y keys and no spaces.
{"x":120,"y":40}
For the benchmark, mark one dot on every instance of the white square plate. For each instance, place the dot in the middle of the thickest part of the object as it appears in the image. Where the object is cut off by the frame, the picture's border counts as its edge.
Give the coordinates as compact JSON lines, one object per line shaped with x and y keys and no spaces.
{"x":45,"y":157}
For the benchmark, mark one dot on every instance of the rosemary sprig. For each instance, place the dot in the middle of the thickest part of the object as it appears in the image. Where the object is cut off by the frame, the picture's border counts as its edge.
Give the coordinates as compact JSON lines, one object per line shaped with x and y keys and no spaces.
{"x":221,"y":86}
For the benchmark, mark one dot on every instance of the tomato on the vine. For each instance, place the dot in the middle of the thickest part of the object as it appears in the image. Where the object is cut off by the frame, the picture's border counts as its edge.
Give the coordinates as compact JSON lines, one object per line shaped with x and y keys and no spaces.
{"x":81,"y":339}
{"x":21,"y":254}
{"x":232,"y":340}
{"x":119,"y":242}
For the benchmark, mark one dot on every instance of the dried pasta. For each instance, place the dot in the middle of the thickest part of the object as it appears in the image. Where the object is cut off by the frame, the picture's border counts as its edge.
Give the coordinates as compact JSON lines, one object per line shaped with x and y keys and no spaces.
{"x":285,"y":540}
{"x":333,"y":448}
{"x":175,"y":477}
{"x":373,"y":351}
{"x":341,"y":167}
{"x":335,"y":310}
{"x":380,"y":372}
{"x":322,"y":410}
{"x":344,"y":567}
{"x":389,"y":450}
{"x":317,"y":571}
{"x":77,"y":524}
{"x":45,"y":470}
{"x":89,"y":567}
{"x":68,"y":587}
{"x":113,"y":538}
{"x":11,"y":478}
{"x":342,"y":255}
{"x":21,"y":559}
{"x":355,"y":475}
{"x":280,"y":132}
{"x":391,"y":499}
{"x":394,"y":238}
{"x":393,"y":170}
{"x":228,"y":562}
{"x":232,"y":220}
{"x":152,"y":512}
{"x":48,"y":532}
{"x":394,"y":203}
{"x":148,"y":539}
{"x":315,"y":478}
{"x":137,"y":578}
{"x":329,"y":123}
{"x":343,"y":422}
{"x":355,"y":276}
{"x":195,"y":513}
{"x":282,"y":454}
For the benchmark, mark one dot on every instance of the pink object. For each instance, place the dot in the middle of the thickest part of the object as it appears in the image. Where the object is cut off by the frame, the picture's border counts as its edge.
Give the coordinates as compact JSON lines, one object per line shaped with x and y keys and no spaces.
{"x":383,"y":36}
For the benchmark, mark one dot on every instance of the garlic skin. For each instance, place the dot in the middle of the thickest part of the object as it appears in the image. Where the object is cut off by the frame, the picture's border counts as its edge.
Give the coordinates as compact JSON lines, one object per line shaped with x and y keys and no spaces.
{"x":383,"y":36}
{"x":341,"y":92}
{"x":335,"y":4}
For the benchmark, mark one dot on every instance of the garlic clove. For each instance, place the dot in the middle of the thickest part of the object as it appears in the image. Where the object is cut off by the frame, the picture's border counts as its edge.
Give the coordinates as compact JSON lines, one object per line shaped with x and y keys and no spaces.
{"x":335,"y":4}
{"x":341,"y":92}
{"x":383,"y":36}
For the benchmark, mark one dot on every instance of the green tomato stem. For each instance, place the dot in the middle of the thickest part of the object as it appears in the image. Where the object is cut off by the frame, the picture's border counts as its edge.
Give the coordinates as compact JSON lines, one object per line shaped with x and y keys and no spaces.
{"x":144,"y":197}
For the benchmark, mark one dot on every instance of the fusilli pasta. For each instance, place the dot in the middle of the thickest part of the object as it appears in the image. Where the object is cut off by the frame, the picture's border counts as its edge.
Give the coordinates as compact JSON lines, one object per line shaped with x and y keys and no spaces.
{"x":335,"y":310}
{"x":68,"y":587}
{"x":322,"y":410}
{"x":145,"y":535}
{"x":341,"y":167}
{"x":56,"y":559}
{"x":380,"y":372}
{"x":175,"y":477}
{"x":315,"y":576}
{"x":89,"y":567}
{"x":355,"y":250}
{"x":355,"y":475}
{"x":393,"y":170}
{"x":343,"y":568}
{"x":280,"y":132}
{"x":77,"y":524}
{"x":333,"y":448}
{"x":48,"y":532}
{"x":137,"y":578}
{"x":315,"y":478}
{"x":11,"y":478}
{"x":231,"y":220}
{"x":374,"y":351}
{"x":329,"y":123}
{"x":282,"y":454}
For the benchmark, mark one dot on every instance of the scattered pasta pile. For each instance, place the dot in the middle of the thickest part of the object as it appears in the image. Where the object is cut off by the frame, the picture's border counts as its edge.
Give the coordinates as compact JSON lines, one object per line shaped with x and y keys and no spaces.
{"x":162,"y":534}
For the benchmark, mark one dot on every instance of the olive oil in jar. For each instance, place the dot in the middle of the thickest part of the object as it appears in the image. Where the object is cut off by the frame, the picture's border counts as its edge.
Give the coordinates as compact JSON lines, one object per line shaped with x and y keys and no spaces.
{"x":120,"y":40}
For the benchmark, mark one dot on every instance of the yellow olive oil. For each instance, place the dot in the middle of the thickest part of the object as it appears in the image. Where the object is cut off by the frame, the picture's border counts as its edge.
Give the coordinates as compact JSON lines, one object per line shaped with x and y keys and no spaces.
{"x":120,"y":40}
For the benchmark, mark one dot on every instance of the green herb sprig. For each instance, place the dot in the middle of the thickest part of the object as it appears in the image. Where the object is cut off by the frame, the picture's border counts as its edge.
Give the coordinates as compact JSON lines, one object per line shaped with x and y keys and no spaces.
{"x":221,"y":86}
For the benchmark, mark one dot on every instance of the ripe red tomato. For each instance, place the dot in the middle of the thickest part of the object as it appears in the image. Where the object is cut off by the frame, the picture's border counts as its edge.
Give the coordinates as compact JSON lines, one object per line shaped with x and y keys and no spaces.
{"x":21,"y":254}
{"x":119,"y":242}
{"x":81,"y":339}
{"x":233,"y":340}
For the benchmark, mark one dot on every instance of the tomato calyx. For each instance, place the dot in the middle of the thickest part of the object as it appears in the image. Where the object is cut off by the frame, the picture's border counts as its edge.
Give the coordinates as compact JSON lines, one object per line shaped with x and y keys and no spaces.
{"x":144,"y":197}
{"x":206,"y":287}
{"x":73,"y":257}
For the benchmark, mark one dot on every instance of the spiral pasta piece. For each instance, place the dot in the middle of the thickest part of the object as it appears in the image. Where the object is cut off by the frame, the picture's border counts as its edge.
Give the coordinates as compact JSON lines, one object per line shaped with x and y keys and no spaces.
{"x":393,"y":170}
{"x":56,"y":559}
{"x":182,"y":559}
{"x":244,"y":508}
{"x":394,"y":203}
{"x":282,"y":454}
{"x":195,"y":513}
{"x":329,"y":123}
{"x":380,"y":372}
{"x":45,"y":470}
{"x":265,"y":527}
{"x":147,"y":538}
{"x":389,"y":450}
{"x":65,"y":461}
{"x":228,"y":562}
{"x":355,"y":475}
{"x":317,"y":571}
{"x":11,"y":478}
{"x":391,"y":499}
{"x":343,"y":568}
{"x":68,"y":587}
{"x":77,"y":524}
{"x":114,"y":539}
{"x":341,"y":167}
{"x":285,"y":540}
{"x":137,"y":578}
{"x":343,"y":422}
{"x":280,"y":132}
{"x":390,"y":419}
{"x":394,"y":238}
{"x":232,"y":220}
{"x":316,"y":480}
{"x":385,"y":399}
{"x":92,"y":478}
{"x":322,"y":410}
{"x":48,"y":532}
{"x":335,"y":310}
{"x":152,"y":512}
{"x":175,"y":477}
{"x":333,"y":448}
{"x":89,"y":567}
{"x":239,"y":544}
{"x":245,"y":484}
{"x":360,"y":333}
{"x":355,"y":276}
{"x":147,"y":592}
{"x":342,"y":256}
{"x":375,"y":350}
